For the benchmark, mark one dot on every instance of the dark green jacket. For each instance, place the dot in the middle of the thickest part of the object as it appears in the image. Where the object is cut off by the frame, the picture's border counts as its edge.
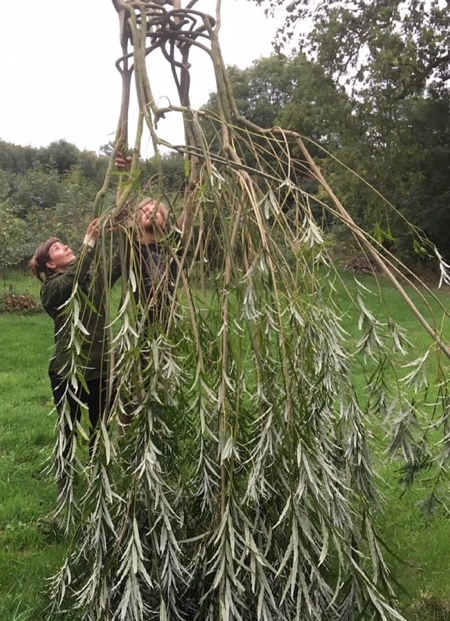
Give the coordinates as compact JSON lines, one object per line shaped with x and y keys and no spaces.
{"x":55,"y":292}
{"x":157,"y":271}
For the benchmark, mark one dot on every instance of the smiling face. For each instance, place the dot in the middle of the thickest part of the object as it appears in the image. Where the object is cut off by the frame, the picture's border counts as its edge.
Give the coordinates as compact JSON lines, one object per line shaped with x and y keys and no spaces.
{"x":152,"y":216}
{"x":60,"y":257}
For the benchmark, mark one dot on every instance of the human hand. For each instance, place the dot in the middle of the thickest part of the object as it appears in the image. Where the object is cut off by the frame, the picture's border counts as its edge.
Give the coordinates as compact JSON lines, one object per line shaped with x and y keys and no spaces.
{"x":92,"y":232}
{"x":123,"y":162}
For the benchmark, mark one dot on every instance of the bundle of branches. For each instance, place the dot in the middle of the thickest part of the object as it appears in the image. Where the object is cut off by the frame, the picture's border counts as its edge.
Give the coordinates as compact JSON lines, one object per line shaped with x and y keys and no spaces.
{"x":233,"y":477}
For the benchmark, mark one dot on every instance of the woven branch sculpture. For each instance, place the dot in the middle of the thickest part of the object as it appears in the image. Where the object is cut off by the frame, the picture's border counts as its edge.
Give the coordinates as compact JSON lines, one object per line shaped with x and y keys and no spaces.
{"x":232,"y":478}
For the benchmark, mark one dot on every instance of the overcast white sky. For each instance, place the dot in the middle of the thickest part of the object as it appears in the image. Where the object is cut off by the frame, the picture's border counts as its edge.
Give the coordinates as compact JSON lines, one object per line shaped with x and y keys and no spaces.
{"x":58,"y":78}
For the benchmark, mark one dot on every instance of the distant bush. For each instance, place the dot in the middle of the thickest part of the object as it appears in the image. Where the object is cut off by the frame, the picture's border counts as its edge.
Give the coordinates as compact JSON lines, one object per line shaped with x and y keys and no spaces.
{"x":19,"y":303}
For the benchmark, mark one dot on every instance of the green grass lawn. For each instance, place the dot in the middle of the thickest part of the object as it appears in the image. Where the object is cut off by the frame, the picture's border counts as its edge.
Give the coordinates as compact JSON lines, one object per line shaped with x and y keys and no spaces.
{"x":31,"y":549}
{"x":29,"y":552}
{"x":418,"y":546}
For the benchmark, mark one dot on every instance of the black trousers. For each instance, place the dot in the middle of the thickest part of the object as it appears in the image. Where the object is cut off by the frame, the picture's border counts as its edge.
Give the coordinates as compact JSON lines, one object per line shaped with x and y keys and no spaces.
{"x":94,"y":398}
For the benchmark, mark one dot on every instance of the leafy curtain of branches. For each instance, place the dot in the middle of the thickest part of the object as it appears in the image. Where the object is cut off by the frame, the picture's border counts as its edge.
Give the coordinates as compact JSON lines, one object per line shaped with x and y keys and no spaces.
{"x":243,"y":488}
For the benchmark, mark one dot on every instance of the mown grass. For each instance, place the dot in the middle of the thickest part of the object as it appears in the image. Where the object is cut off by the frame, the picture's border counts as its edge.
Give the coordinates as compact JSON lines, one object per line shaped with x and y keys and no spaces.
{"x":416,"y":546}
{"x":31,"y":549}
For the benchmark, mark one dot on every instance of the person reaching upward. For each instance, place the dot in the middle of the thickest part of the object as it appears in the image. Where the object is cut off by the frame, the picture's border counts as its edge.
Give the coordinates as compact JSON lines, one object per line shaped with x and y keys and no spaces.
{"x":64,"y":274}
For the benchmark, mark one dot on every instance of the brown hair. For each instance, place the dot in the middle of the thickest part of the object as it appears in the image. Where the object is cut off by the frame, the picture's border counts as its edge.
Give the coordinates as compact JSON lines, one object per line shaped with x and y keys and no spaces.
{"x":38,"y":263}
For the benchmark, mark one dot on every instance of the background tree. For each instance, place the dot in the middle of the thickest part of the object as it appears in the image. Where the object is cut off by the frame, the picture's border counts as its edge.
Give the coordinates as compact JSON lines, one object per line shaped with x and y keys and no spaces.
{"x":393,"y":59}
{"x":51,"y":190}
{"x":36,"y":188}
{"x":401,"y":45}
{"x":13,"y":238}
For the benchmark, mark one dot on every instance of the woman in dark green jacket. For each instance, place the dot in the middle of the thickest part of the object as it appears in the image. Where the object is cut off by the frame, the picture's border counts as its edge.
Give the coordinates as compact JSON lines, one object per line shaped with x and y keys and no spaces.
{"x":64,"y":276}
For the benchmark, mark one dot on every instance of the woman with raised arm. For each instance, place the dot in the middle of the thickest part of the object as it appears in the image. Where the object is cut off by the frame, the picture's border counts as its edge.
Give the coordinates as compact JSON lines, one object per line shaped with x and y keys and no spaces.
{"x":64,"y":275}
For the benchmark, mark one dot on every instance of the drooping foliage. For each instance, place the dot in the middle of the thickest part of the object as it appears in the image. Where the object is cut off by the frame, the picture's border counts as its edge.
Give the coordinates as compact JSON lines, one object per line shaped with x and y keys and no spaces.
{"x":243,"y":488}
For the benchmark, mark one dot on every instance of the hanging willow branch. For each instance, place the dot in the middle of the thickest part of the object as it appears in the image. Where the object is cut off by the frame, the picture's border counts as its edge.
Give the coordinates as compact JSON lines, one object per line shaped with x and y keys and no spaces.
{"x":241,"y":484}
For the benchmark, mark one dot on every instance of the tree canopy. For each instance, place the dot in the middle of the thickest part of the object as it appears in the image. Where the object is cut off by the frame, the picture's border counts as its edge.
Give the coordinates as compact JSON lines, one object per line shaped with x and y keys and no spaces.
{"x":397,"y":149}
{"x":398,"y":46}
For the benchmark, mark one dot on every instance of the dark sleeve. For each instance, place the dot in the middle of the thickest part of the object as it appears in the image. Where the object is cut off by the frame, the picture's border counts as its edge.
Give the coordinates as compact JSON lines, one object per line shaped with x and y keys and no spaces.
{"x":58,"y":288}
